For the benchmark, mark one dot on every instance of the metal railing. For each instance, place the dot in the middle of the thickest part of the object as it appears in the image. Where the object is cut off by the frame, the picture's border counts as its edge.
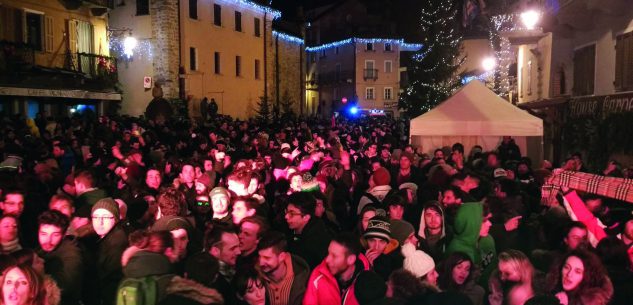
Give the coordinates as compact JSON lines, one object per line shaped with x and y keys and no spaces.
{"x":93,"y":66}
{"x":370,"y":74}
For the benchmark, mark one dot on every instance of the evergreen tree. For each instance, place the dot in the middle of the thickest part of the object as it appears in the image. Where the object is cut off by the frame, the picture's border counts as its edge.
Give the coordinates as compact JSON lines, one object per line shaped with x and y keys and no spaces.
{"x":286,"y":106}
{"x":263,"y":110}
{"x":435,"y":67}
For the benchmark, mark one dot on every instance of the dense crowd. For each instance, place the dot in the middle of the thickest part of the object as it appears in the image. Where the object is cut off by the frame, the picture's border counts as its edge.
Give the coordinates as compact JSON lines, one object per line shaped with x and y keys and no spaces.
{"x":121,"y":210}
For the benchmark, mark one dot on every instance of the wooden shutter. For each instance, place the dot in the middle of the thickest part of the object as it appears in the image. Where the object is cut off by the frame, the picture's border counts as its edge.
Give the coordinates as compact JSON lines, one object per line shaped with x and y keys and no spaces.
{"x":72,"y":44}
{"x":628,"y":62}
{"x":48,"y":34}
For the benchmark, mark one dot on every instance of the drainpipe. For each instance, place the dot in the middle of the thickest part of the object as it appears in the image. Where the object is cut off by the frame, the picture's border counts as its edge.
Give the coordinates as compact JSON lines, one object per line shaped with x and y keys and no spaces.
{"x":277,"y":71}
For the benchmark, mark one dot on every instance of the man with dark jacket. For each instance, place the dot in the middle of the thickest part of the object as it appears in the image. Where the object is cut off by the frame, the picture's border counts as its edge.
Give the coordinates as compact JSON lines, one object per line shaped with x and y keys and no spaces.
{"x":285,"y":275}
{"x":109,"y":248}
{"x":62,"y":256}
{"x":310,"y":237}
{"x":87,"y":193}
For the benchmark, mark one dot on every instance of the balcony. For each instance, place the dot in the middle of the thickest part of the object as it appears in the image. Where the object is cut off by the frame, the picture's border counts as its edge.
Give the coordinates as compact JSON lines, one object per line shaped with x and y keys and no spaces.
{"x":370,"y":74}
{"x":96,"y":67}
{"x":334,"y":78}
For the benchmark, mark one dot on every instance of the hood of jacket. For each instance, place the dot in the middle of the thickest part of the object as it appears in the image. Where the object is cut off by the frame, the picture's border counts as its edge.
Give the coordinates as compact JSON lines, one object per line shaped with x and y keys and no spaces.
{"x":466,"y":230}
{"x":193,"y":290}
{"x":145,"y":263}
{"x":422,"y":231}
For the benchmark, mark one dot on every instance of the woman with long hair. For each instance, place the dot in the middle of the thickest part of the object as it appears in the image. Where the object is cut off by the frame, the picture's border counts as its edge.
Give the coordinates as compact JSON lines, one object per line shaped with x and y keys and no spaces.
{"x":512,"y":284}
{"x":580,"y":279}
{"x":21,"y":285}
{"x":456,"y":275}
{"x":28,"y":257}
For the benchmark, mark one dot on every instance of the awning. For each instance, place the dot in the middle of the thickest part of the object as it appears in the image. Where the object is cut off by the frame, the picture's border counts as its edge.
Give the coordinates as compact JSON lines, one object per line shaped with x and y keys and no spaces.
{"x":78,"y":94}
{"x":544,"y":103}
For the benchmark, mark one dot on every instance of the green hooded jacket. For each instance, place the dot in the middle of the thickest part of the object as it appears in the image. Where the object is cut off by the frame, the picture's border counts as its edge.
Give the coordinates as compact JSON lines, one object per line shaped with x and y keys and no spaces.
{"x":466,"y":237}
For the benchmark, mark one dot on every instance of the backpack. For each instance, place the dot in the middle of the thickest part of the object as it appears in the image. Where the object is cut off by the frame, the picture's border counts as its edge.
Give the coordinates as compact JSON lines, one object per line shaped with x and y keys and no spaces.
{"x":377,"y":203}
{"x":138,"y":291}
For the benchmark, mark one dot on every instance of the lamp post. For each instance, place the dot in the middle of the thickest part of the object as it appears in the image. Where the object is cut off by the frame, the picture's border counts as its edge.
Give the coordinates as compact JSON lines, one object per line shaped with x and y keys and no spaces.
{"x":530,"y":19}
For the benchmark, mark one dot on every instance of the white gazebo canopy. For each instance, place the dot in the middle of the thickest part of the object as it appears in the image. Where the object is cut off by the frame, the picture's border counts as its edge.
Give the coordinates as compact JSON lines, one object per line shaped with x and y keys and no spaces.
{"x":475,"y":115}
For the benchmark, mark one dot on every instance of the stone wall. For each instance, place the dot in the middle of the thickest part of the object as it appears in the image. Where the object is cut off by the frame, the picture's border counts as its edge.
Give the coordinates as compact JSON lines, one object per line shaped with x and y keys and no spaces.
{"x":288,"y":69}
{"x":164,"y":14}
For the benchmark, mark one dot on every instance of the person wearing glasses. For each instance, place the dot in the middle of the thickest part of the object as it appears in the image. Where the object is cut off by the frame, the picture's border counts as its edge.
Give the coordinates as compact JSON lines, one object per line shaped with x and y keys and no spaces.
{"x":310,"y":237}
{"x":109,"y":248}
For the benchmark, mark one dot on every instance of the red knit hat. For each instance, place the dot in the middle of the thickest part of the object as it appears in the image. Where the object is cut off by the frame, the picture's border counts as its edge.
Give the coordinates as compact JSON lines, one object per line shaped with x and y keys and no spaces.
{"x":381,"y":176}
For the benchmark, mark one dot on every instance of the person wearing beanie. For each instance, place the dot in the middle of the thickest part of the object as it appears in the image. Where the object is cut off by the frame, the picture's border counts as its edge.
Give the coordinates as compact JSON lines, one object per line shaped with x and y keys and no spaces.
{"x":403,"y":232}
{"x":379,"y":188}
{"x":220,"y":199}
{"x":382,"y":250}
{"x":419,"y":264}
{"x":180,"y":229}
{"x":109,"y":249}
{"x":370,"y":288}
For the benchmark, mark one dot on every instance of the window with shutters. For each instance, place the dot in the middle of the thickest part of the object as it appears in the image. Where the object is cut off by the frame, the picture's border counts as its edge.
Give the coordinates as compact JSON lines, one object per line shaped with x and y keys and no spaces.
{"x":48,"y":34}
{"x":34,"y":30}
{"x":11,"y":24}
{"x":369,"y":93}
{"x":388,"y":93}
{"x":193,"y":9}
{"x":584,"y":70}
{"x":624,"y":62}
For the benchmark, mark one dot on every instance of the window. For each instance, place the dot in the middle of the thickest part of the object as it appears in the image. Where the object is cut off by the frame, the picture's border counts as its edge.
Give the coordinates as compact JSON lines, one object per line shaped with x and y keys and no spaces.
{"x":217,"y":14}
{"x":48,"y":34}
{"x":216,"y":63}
{"x":370,"y":71}
{"x":193,"y":9}
{"x":388,"y":66}
{"x":238,"y":21}
{"x":258,"y":31}
{"x":369,"y":93}
{"x":193,"y":59}
{"x":142,"y":7}
{"x":336,"y":50}
{"x":34,"y":30}
{"x":529,"y":77}
{"x":584,"y":70}
{"x":238,"y":65}
{"x":388,"y":47}
{"x":388,"y":93}
{"x":624,"y":62}
{"x":256,"y":68}
{"x":369,"y":46}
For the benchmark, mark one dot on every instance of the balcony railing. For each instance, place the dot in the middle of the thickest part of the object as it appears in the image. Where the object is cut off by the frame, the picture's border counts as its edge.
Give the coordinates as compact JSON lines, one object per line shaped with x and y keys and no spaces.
{"x":15,"y":56}
{"x":94,"y":66}
{"x":370,"y":74}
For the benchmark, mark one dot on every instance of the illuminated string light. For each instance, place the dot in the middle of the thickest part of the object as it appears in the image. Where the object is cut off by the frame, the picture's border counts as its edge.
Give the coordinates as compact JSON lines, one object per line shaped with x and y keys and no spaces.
{"x":254,"y":6}
{"x":503,"y":49}
{"x":403,"y":46}
{"x":288,"y":38}
{"x":143,"y":48}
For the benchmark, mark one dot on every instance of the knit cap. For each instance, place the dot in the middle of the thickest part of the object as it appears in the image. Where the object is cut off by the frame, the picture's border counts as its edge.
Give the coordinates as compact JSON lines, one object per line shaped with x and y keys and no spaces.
{"x":369,"y":287}
{"x":109,"y":205}
{"x":378,"y":227}
{"x":170,"y":223}
{"x":401,"y":230}
{"x":381,"y":176}
{"x":219,"y":190}
{"x":416,"y":261}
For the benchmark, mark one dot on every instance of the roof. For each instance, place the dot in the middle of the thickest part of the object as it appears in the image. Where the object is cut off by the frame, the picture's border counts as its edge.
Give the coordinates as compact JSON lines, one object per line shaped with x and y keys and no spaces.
{"x":474,"y":110}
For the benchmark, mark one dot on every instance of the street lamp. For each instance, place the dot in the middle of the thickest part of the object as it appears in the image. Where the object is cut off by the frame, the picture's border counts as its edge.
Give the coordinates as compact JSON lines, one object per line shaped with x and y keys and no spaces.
{"x":129,"y":43}
{"x":489,"y":63}
{"x":530,"y":19}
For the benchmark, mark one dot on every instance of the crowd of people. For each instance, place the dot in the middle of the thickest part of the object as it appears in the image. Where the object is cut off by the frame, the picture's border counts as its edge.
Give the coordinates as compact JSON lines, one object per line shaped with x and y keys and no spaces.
{"x":123,"y":210}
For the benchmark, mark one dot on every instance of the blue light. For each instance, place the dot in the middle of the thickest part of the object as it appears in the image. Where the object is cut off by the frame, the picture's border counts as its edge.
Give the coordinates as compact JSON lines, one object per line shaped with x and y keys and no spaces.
{"x":353,"y":110}
{"x":288,"y":38}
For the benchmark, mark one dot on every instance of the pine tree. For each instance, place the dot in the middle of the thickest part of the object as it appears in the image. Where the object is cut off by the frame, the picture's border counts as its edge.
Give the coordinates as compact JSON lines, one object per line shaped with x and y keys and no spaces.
{"x":435,"y":67}
{"x":286,"y":106}
{"x":263,"y":110}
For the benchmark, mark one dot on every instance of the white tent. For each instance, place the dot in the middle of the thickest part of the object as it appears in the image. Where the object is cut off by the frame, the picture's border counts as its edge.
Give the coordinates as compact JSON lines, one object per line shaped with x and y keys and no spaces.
{"x":475,"y":115}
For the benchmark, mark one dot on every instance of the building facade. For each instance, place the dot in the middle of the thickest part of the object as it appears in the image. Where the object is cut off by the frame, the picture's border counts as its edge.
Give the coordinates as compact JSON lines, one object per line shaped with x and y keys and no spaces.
{"x":578,"y":75}
{"x":222,"y":50}
{"x":55,"y":57}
